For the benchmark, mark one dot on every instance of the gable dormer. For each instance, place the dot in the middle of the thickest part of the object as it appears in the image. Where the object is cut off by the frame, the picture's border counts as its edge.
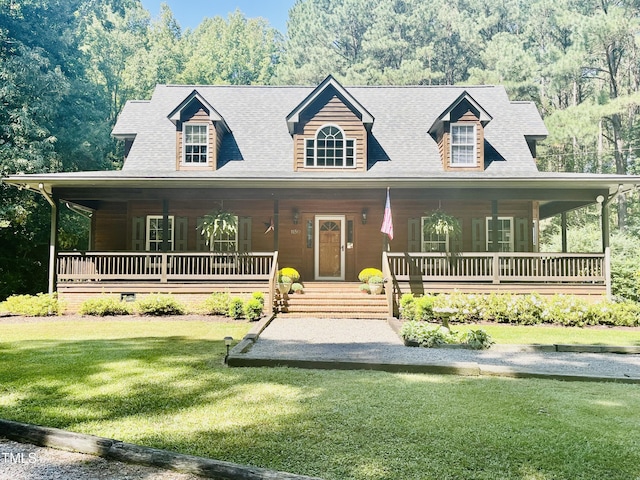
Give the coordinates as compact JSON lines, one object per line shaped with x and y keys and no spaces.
{"x":199,"y":133}
{"x":459,"y":131}
{"x":330,"y":129}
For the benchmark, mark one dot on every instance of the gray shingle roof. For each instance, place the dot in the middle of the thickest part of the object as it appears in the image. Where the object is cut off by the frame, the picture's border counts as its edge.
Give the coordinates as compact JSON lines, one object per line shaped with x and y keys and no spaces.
{"x":260,"y":144}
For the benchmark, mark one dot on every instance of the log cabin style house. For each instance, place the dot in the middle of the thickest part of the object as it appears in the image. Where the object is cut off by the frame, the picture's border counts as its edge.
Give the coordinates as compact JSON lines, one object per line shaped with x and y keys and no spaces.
{"x":306,"y":172}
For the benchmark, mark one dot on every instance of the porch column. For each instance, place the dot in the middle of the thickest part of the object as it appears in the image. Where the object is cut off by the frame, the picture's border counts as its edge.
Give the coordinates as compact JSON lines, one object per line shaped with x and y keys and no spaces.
{"x":276,"y":221}
{"x":605,"y":224}
{"x":495,"y":234}
{"x":165,"y":225}
{"x":53,"y":238}
{"x":563,"y":222}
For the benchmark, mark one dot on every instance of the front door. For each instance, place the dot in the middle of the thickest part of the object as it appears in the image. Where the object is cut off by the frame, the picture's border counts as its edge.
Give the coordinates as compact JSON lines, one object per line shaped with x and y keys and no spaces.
{"x":329,"y":251}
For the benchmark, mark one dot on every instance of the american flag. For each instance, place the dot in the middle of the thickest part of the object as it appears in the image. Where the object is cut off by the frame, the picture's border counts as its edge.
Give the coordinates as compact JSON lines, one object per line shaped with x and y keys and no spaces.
{"x":387,"y":222}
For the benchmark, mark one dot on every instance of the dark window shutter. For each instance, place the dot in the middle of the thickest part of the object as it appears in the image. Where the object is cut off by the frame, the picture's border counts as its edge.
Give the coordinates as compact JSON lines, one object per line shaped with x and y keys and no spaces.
{"x":244,"y":234}
{"x":414,"y":235}
{"x":201,"y":240}
{"x":521,"y":235}
{"x":180,"y":234}
{"x":479,"y":234}
{"x":138,"y":237}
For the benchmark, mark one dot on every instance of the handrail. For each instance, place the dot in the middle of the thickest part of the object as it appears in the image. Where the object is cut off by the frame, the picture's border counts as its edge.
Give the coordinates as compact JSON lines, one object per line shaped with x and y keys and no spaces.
{"x":273,"y":278}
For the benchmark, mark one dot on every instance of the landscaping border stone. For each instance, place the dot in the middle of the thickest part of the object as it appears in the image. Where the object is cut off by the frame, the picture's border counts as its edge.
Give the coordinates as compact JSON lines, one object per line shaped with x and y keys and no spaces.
{"x":126,"y":452}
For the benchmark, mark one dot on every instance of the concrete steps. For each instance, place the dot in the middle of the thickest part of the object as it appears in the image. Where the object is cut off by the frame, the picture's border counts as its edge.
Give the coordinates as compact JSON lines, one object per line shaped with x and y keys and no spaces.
{"x":335,"y":300}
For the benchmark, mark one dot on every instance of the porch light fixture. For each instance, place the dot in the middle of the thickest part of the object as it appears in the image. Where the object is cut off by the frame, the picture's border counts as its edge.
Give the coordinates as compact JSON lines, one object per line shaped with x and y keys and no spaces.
{"x":227,"y":342}
{"x":600,"y":199}
{"x":364,"y":216}
{"x":296,"y":216}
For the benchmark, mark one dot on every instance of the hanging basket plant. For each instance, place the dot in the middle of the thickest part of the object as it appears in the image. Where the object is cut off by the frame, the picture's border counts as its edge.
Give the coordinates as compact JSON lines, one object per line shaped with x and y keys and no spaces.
{"x":219,"y":223}
{"x":443,"y":224}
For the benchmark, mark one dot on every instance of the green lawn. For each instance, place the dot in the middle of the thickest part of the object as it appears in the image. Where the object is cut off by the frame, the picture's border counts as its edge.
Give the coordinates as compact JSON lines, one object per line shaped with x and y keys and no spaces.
{"x":546,"y":334}
{"x":162,"y":383}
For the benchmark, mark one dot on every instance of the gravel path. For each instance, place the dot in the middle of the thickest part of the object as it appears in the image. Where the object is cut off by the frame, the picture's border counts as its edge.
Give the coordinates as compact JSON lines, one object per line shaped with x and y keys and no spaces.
{"x":20,"y":461}
{"x":374,"y":341}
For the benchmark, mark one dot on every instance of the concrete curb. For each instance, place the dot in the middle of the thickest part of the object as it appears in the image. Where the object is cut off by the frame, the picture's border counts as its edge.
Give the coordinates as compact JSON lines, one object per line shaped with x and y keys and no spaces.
{"x":130,"y":453}
{"x":252,"y":337}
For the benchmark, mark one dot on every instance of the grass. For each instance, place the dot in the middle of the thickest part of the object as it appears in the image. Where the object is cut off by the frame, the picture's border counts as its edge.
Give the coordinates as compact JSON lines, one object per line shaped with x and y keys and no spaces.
{"x":162,"y":383}
{"x":545,"y":334}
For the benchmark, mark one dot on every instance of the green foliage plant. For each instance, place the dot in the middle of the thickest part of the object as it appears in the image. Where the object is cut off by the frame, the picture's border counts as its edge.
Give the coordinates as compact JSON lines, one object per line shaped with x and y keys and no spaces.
{"x":216,"y":304}
{"x":104,"y":306}
{"x":424,"y":307}
{"x":478,"y":339}
{"x":407,"y":306}
{"x":217,"y":224}
{"x":375,"y":280}
{"x":253,"y":309}
{"x":366,"y":273}
{"x":258,"y":296}
{"x":288,"y":272}
{"x":39,"y":305}
{"x":428,"y":335}
{"x":297,"y":288}
{"x":159,"y":304}
{"x":236,"y":308}
{"x":365,"y":288}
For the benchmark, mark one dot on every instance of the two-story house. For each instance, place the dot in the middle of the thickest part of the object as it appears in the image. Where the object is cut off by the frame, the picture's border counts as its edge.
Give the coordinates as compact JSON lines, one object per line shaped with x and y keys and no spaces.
{"x":306,"y":172}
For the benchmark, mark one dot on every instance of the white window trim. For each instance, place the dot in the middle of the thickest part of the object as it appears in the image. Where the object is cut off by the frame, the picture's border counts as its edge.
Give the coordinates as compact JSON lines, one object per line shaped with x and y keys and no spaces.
{"x":183,"y":160}
{"x":148,"y":231}
{"x":475,"y":145}
{"x":511,"y":239}
{"x":344,"y":155}
{"x":423,"y":241}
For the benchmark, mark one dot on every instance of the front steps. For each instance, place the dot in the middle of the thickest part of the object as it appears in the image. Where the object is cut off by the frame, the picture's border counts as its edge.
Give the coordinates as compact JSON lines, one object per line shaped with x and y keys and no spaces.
{"x":333,"y":300}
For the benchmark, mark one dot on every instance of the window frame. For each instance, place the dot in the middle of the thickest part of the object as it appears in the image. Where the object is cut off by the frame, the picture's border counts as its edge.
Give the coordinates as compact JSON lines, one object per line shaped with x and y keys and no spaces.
{"x":311,"y":144}
{"x":453,"y":145}
{"x":148,"y":240}
{"x":184,"y":161}
{"x":511,"y":242}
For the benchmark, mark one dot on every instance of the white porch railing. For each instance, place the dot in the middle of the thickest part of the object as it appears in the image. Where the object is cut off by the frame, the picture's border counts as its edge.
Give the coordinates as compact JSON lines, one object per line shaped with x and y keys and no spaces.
{"x":164,"y":267}
{"x":500,"y":267}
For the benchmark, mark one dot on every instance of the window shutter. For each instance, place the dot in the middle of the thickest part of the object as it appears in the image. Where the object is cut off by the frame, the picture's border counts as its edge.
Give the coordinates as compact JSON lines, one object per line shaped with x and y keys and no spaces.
{"x":478,"y":235}
{"x":180,"y":234}
{"x":522,"y":235}
{"x":201,"y":240}
{"x":414,"y":235}
{"x":244,"y":234}
{"x":138,"y":238}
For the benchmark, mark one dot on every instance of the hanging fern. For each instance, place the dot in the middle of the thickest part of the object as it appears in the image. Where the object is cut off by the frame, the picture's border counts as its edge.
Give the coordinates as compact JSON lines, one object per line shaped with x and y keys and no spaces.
{"x":441,"y":223}
{"x":218,"y":224}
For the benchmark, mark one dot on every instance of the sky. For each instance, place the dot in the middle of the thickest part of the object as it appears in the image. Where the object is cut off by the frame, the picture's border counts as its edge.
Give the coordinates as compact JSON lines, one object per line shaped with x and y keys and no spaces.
{"x":190,"y":13}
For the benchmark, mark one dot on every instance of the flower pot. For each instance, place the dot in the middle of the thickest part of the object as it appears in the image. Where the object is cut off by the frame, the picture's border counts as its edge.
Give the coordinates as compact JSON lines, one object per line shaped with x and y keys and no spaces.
{"x":375,"y":288}
{"x":284,"y":288}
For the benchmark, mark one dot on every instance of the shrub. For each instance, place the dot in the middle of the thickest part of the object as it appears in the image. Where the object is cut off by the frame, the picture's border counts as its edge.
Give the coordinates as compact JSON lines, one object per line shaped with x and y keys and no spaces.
{"x":424,"y":308}
{"x":427,"y":335}
{"x":216,"y":304}
{"x":104,"y":306}
{"x":478,"y":339}
{"x":292,"y":273}
{"x":407,"y":306}
{"x":253,"y":309}
{"x":159,"y":304}
{"x":40,"y":305}
{"x":258,"y":296}
{"x":236,"y":308}
{"x":367,"y":273}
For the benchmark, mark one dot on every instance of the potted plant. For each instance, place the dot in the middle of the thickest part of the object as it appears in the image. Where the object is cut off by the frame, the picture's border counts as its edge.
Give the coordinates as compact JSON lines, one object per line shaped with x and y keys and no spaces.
{"x":375,"y":284}
{"x":217,"y":224}
{"x":286,"y":277}
{"x":443,"y":224}
{"x":365,"y":276}
{"x":297,"y":287}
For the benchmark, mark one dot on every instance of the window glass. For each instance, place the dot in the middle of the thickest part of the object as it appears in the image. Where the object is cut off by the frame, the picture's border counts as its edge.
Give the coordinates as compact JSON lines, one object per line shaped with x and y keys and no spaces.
{"x":195,"y":143}
{"x":329,"y":149}
{"x":463,"y":141}
{"x":505,"y":234}
{"x":155,"y":233}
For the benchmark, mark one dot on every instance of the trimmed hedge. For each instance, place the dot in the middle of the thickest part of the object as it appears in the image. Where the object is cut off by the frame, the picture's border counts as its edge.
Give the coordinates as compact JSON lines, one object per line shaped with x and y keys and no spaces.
{"x":520,"y":309}
{"x":104,"y":306}
{"x":40,"y":305}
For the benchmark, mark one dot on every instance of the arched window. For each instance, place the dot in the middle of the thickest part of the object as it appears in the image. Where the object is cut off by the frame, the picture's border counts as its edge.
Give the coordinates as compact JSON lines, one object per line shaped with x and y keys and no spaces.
{"x":330,"y":148}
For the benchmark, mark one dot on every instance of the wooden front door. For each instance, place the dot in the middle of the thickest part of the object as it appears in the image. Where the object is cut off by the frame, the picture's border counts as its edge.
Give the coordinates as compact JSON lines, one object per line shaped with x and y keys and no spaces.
{"x":329,"y":251}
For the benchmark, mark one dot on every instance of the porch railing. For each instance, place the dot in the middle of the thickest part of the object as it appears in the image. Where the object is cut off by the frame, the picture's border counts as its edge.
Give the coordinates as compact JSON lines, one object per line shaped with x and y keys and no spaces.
{"x":164,"y":267}
{"x":500,"y":267}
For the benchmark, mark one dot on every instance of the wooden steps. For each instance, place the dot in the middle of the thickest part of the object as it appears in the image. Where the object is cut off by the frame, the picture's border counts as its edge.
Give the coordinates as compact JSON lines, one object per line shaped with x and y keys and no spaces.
{"x":334,"y":300}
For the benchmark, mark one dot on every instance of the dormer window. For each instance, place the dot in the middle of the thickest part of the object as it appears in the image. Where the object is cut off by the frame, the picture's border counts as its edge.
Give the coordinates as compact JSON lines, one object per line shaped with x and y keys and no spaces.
{"x":330,"y":148}
{"x":196,"y":140}
{"x":463,"y":145}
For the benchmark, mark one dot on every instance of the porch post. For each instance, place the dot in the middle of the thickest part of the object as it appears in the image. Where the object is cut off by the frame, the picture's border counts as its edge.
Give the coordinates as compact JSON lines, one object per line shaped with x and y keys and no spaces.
{"x":165,"y":225}
{"x":563,"y":221}
{"x":53,"y":238}
{"x":495,"y":234}
{"x":605,"y":225}
{"x":276,"y":221}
